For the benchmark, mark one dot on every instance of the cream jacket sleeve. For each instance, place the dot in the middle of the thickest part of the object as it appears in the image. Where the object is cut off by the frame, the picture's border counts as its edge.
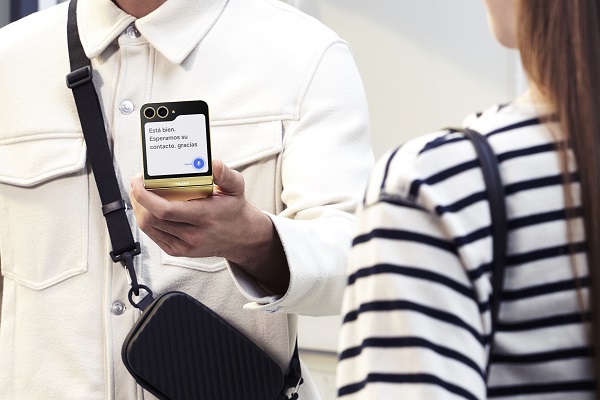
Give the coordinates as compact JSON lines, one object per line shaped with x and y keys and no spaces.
{"x":325,"y":164}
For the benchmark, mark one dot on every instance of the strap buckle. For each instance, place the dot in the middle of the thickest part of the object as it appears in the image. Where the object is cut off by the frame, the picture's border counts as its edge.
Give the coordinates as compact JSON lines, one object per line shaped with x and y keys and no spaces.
{"x":294,"y":395}
{"x":126,"y":254}
{"x":79,"y":77}
{"x":144,"y":302}
{"x":126,"y":258}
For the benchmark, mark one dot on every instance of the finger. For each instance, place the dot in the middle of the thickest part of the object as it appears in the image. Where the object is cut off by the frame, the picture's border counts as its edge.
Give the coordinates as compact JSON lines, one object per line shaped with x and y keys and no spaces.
{"x":170,"y":244}
{"x":147,"y":221}
{"x":190,"y":234}
{"x":229,"y":182}
{"x":156,"y":228}
{"x":176,"y":211}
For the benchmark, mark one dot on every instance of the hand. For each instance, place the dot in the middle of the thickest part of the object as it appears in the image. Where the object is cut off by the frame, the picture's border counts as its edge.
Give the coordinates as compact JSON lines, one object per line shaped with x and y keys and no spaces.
{"x":223,"y":225}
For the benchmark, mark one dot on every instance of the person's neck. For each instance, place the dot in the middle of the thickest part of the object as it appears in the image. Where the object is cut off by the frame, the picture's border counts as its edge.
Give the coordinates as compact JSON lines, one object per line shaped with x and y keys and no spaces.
{"x":532,"y":95}
{"x":139,"y":8}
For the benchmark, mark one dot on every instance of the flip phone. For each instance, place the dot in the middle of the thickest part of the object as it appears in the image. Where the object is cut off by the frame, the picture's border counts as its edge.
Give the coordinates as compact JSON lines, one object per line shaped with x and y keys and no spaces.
{"x":176,"y":149}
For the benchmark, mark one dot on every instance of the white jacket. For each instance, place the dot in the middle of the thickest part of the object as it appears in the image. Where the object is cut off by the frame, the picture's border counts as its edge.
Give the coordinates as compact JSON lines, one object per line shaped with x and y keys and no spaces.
{"x":287,"y":110}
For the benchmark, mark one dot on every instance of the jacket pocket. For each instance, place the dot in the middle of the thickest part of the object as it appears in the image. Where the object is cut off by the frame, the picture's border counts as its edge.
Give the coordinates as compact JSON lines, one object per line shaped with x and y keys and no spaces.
{"x":243,"y":145}
{"x":208,"y":264}
{"x":252,"y":149}
{"x":43,"y":209}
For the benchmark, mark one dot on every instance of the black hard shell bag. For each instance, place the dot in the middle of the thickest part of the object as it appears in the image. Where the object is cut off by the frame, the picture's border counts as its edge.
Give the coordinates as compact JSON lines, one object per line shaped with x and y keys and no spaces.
{"x":177,"y":334}
{"x":179,"y":349}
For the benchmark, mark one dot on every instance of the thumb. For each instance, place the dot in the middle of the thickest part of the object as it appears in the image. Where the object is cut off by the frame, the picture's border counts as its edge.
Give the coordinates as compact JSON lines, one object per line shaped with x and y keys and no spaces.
{"x":228,"y":181}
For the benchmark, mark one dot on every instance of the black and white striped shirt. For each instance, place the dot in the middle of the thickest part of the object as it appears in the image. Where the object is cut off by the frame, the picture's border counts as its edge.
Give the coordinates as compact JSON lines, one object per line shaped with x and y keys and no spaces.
{"x":416,"y":308}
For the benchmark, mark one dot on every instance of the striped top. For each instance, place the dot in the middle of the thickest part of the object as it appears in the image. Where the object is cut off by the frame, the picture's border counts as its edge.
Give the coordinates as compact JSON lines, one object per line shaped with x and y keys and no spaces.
{"x":416,"y":308}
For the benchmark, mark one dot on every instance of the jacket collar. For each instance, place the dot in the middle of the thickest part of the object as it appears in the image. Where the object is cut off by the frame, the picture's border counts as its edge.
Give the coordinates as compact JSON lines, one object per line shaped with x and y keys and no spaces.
{"x":174,"y":29}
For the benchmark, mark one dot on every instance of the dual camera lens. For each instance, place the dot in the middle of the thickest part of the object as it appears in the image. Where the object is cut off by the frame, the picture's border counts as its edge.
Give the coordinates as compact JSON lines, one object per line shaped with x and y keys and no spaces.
{"x":162,"y":112}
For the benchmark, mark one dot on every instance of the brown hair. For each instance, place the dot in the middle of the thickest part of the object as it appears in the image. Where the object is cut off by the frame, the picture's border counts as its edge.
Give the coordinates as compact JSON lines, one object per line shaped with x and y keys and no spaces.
{"x":559,"y":42}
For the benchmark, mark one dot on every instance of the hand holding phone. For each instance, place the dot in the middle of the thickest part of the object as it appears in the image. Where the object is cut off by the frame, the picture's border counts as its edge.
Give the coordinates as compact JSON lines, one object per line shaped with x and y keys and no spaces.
{"x":176,"y":149}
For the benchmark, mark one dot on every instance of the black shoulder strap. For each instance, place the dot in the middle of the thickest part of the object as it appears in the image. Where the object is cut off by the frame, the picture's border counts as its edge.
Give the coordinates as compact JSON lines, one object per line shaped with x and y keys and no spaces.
{"x":94,"y":132}
{"x":497,"y":202}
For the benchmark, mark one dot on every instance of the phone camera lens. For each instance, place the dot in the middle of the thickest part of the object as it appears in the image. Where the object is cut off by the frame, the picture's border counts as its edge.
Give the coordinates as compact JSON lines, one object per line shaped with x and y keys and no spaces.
{"x":149,"y":112}
{"x":162,"y":111}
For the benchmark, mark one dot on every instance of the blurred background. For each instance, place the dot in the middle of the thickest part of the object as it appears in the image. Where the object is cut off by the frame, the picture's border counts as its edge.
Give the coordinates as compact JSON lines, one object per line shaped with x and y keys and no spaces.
{"x":425,"y":65}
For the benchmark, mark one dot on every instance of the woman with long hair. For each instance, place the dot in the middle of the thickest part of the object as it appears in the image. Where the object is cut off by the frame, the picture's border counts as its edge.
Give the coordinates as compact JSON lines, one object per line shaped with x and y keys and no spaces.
{"x":417,"y":319}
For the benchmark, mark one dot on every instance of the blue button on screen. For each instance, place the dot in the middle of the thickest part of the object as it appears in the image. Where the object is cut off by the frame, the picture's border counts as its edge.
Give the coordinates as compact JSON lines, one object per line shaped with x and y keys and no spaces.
{"x":199,"y":163}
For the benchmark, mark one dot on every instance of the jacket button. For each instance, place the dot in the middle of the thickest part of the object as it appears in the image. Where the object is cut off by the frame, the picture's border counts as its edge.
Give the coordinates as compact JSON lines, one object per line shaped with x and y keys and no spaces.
{"x":132,"y":32}
{"x":117,"y":308}
{"x":126,"y":107}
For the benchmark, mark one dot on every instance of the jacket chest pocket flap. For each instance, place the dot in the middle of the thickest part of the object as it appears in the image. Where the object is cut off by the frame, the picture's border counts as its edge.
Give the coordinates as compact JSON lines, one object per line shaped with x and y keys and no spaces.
{"x":43,"y":208}
{"x":251,"y":148}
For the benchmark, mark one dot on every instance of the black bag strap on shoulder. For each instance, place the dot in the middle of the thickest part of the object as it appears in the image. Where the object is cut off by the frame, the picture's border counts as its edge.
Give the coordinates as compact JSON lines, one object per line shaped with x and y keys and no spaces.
{"x":79,"y":80}
{"x":98,"y":151}
{"x":496,"y":198}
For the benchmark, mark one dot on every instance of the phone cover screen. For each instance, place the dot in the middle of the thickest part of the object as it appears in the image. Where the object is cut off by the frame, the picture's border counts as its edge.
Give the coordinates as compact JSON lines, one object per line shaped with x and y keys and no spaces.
{"x":175,"y":139}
